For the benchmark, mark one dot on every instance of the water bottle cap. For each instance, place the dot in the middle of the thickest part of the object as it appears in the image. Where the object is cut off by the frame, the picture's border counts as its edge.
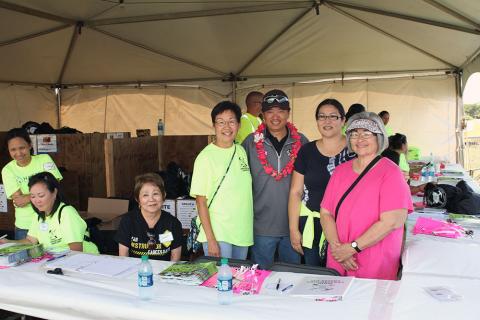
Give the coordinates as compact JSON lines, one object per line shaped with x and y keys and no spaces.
{"x":224,"y":261}
{"x":144,"y":258}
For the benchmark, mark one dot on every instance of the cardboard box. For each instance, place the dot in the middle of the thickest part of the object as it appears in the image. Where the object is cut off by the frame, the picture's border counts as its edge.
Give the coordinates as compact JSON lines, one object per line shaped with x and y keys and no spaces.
{"x":107,"y":210}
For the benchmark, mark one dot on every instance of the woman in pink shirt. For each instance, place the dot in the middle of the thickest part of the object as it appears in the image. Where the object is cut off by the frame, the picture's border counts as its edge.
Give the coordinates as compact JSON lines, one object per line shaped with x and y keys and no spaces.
{"x":365,"y":239}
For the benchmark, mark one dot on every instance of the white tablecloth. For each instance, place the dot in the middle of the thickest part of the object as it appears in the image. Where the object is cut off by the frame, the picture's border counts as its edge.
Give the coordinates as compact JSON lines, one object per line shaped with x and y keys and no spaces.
{"x":28,"y":289}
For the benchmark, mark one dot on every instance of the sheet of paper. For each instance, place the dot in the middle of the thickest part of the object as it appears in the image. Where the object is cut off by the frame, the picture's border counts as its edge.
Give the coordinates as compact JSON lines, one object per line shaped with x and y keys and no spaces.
{"x":46,"y":143}
{"x":3,"y":199}
{"x":95,"y":264}
{"x":111,"y":266}
{"x":186,"y":210}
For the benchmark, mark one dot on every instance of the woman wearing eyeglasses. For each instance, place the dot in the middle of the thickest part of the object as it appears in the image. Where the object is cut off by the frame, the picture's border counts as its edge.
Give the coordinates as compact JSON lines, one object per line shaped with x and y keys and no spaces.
{"x":149,"y":230}
{"x":222,"y":186}
{"x":364,"y":226}
{"x":314,"y":165}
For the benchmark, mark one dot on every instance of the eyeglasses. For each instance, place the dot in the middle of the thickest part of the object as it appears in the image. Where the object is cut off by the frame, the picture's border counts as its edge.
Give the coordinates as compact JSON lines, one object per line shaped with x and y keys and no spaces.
{"x":231,"y":123}
{"x":332,"y":117}
{"x":151,"y":243}
{"x":364,"y":135}
{"x":275,"y":98}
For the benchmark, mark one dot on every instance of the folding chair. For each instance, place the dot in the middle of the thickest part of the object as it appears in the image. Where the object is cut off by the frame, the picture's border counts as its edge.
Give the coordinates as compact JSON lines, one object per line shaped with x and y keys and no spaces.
{"x":301,"y":268}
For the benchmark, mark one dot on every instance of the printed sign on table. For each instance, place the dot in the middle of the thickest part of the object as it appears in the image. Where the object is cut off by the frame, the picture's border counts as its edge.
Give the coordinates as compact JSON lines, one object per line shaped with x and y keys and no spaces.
{"x":186,"y":210}
{"x":169,"y":206}
{"x":3,"y":199}
{"x":46,"y":143}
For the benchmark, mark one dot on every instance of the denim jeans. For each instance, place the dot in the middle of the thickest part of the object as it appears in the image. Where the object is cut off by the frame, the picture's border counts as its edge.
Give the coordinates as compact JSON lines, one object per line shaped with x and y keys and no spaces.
{"x":263,"y":251}
{"x":20,"y":233}
{"x":228,"y":250}
{"x":312,"y":256}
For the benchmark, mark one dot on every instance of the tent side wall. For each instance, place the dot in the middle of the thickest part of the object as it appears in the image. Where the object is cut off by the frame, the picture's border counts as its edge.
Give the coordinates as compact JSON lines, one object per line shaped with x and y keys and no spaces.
{"x":422,"y":108}
{"x":19,"y":104}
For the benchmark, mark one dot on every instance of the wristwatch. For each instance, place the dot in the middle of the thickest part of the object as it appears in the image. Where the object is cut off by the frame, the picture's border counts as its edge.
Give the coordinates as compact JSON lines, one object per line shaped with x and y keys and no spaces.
{"x":354,"y":245}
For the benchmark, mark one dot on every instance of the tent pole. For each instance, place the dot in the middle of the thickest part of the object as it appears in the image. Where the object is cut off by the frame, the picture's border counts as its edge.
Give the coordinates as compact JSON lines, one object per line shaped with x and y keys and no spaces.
{"x":34,"y":35}
{"x":452,"y":12}
{"x":371,"y":26}
{"x":272,"y":41}
{"x":459,"y":119}
{"x":33,"y":12}
{"x":191,"y":63}
{"x":203,"y":13}
{"x":404,"y":17}
{"x":234,"y":90}
{"x":73,"y":40}
{"x":58,"y":92}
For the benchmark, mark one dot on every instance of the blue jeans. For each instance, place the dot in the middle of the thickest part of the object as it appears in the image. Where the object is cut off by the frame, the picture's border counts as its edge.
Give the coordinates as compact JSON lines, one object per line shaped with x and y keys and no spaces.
{"x":312,"y":256}
{"x":263,"y":251}
{"x":228,"y":250}
{"x":20,"y":233}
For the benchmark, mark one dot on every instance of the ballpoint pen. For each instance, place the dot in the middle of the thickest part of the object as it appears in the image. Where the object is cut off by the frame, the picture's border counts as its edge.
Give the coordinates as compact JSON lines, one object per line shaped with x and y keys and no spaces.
{"x":55,"y":258}
{"x":278,"y":283}
{"x":287,"y":287}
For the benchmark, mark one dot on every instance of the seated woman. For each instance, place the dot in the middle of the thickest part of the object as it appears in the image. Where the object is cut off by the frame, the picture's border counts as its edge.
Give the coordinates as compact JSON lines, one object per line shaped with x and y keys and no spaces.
{"x":365,"y":232}
{"x":396,"y":151}
{"x":149,"y":230}
{"x":57,"y":226}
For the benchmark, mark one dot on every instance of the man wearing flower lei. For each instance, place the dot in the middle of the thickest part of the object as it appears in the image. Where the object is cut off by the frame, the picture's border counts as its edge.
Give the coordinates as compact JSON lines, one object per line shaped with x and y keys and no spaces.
{"x":272,"y":150}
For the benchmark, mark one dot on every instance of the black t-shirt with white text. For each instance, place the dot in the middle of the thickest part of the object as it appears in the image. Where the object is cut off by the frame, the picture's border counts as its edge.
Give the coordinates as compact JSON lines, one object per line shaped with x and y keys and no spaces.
{"x":316,"y":170}
{"x":157,"y":242}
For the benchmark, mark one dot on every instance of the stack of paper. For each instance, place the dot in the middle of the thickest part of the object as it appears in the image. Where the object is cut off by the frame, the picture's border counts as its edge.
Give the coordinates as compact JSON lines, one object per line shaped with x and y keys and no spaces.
{"x":189,"y":273}
{"x":323,"y":288}
{"x":95,"y":264}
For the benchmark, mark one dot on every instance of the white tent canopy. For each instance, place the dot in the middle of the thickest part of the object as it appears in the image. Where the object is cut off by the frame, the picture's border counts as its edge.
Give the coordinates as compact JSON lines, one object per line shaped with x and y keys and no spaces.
{"x":229,"y":47}
{"x":105,"y":42}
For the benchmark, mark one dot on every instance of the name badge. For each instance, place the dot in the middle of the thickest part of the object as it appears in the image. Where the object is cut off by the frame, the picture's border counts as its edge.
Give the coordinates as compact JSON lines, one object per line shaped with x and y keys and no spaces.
{"x":43,"y":226}
{"x":165,"y":237}
{"x":48,"y":166}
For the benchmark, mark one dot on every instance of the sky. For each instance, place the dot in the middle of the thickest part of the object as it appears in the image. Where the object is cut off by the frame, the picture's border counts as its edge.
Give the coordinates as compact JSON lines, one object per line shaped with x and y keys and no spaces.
{"x":471,"y":94}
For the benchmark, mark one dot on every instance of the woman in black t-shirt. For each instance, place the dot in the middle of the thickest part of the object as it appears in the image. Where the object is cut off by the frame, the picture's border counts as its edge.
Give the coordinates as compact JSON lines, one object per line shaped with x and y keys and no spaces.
{"x":314,"y":165}
{"x":149,"y":230}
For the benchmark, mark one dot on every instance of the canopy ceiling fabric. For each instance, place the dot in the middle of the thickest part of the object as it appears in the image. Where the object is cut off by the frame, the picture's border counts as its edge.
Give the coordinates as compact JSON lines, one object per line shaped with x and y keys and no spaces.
{"x":133,"y":41}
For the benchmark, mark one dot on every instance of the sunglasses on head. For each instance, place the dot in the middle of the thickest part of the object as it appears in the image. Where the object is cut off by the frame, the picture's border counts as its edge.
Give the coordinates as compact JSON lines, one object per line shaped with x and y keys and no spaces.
{"x":275,"y":98}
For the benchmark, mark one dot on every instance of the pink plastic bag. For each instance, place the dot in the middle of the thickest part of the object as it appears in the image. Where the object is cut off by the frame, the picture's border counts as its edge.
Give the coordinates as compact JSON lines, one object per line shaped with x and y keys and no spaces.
{"x":438,"y":228}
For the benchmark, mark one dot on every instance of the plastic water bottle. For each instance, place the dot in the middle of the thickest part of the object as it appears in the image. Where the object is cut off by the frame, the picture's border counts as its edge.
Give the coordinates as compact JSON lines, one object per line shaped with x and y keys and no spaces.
{"x":424,"y":174}
{"x":145,"y":279}
{"x":224,"y":284}
{"x":161,"y":127}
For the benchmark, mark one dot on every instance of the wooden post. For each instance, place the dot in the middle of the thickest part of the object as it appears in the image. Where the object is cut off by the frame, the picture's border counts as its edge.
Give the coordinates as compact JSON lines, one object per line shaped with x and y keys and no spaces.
{"x":109,"y":167}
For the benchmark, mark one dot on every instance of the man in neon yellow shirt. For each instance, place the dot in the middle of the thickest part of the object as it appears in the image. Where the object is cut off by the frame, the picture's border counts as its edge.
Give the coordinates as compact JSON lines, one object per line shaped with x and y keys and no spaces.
{"x":250,"y":120}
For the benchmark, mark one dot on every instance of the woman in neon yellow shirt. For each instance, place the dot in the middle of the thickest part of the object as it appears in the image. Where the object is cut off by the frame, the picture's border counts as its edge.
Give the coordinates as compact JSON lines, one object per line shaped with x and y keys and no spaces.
{"x":56,"y":225}
{"x":16,"y":173}
{"x":397,"y":150}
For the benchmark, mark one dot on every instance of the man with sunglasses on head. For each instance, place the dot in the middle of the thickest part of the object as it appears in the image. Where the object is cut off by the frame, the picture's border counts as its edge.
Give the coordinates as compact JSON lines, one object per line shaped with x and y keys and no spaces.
{"x":250,"y":120}
{"x":272,"y":150}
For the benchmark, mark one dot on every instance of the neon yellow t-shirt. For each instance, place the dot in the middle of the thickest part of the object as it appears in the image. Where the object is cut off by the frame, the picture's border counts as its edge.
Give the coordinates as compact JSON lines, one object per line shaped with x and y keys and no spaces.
{"x":403,"y":164}
{"x":231,"y":212}
{"x":55,"y":236}
{"x":389,"y":131}
{"x":16,"y":178}
{"x":248,"y":124}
